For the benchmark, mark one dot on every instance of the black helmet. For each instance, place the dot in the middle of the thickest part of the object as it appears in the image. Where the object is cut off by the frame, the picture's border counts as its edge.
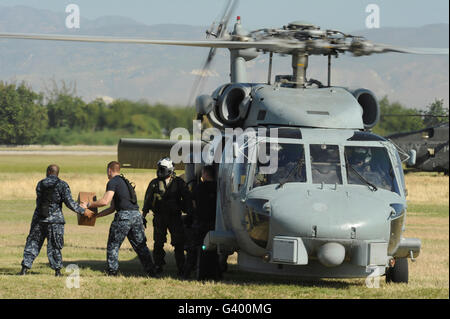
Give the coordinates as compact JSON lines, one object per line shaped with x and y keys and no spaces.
{"x":360,"y":155}
{"x":165,"y":168}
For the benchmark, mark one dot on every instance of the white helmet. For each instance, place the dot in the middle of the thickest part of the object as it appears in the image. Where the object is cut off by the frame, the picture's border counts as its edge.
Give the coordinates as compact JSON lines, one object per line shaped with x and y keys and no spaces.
{"x":165,"y":168}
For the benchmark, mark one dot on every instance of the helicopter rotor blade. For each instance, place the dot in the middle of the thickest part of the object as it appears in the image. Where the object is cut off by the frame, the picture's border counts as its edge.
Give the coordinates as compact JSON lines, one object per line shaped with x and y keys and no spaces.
{"x":431,"y":51}
{"x":55,"y":37}
{"x":221,"y":30}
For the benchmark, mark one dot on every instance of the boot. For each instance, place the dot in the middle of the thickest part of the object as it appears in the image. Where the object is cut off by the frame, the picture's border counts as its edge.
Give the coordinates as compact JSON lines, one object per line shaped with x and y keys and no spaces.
{"x":58,"y":273}
{"x":152,"y":273}
{"x":23,"y":272}
{"x":112,"y":273}
{"x":158,"y":269}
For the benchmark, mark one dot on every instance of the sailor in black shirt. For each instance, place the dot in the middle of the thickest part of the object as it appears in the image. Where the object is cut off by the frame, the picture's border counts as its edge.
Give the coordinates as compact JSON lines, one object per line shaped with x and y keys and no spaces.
{"x":127,"y":221}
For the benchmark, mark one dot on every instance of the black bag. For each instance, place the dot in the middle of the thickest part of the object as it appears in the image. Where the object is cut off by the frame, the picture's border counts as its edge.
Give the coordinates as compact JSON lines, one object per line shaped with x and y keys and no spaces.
{"x":131,"y":189}
{"x":46,"y":199}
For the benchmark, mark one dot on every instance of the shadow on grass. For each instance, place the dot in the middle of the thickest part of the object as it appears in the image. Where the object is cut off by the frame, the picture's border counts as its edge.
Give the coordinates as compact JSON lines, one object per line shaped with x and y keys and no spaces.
{"x":128,"y":268}
{"x":234,"y":276}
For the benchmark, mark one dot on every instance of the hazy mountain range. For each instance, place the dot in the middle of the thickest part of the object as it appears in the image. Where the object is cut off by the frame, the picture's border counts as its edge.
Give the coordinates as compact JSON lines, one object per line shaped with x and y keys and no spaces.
{"x":166,"y":74}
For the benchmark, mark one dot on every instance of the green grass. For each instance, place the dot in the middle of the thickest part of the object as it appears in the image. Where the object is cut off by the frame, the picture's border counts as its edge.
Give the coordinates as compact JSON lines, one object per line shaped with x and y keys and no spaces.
{"x":86,"y":247}
{"x":67,"y":163}
{"x":429,"y":210}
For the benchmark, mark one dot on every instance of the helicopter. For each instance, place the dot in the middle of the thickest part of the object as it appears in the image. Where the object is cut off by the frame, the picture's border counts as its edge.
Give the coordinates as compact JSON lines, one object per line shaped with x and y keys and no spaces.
{"x":427,"y":149}
{"x":335,"y":205}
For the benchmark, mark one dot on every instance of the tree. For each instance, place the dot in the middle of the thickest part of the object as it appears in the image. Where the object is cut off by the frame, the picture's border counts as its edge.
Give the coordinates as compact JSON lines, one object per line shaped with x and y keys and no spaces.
{"x":23,"y":116}
{"x":397,"y":118}
{"x":435,"y":113}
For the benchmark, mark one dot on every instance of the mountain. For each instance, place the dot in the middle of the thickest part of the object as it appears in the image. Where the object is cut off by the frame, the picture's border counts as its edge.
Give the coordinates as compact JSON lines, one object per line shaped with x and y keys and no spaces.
{"x":166,"y":74}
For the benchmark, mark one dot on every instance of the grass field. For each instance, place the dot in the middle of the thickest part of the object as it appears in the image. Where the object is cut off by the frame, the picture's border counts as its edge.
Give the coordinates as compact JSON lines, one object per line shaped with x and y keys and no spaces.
{"x":428,"y":219}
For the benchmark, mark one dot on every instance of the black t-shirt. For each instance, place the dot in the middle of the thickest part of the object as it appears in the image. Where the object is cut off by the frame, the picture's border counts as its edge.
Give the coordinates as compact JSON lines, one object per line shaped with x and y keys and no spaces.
{"x":122,"y":198}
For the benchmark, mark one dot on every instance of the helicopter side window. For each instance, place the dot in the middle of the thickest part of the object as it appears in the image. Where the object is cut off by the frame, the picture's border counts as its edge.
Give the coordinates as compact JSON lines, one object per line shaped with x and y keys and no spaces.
{"x":372,"y":164}
{"x":325,"y":164}
{"x":291,"y":166}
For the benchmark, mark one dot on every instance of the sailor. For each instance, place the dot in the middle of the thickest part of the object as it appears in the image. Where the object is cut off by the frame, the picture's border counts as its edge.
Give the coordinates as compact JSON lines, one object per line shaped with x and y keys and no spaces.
{"x":127,"y":221}
{"x":167,"y":196}
{"x":203,"y":221}
{"x":48,"y":220}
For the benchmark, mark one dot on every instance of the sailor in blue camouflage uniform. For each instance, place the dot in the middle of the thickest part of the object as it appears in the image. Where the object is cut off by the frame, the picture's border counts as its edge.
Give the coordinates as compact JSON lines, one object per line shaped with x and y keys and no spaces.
{"x":127,"y":222}
{"x":48,"y":220}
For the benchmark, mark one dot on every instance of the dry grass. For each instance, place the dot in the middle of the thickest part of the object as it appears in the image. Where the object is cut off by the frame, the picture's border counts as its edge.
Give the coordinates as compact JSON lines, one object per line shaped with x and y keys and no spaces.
{"x":427,"y":188}
{"x":71,"y":148}
{"x":85,"y":246}
{"x":23,"y":185}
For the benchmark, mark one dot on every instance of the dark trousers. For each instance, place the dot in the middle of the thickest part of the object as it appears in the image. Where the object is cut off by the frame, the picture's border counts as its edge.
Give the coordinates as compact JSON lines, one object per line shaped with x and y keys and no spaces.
{"x":128,"y":224}
{"x":172,"y":222}
{"x":54,"y":233}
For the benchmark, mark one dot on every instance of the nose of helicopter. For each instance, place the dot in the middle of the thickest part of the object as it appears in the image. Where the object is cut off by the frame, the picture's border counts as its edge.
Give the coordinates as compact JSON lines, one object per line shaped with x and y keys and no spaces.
{"x":333,"y":213}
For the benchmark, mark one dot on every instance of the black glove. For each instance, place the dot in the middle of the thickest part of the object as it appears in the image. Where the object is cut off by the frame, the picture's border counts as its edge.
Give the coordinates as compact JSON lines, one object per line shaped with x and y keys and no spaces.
{"x":144,"y":221}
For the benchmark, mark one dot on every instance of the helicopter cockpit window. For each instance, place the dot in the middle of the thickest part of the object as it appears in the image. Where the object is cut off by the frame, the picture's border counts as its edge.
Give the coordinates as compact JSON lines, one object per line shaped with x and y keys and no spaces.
{"x":325,"y":164}
{"x":372,"y":164}
{"x":290,"y":169}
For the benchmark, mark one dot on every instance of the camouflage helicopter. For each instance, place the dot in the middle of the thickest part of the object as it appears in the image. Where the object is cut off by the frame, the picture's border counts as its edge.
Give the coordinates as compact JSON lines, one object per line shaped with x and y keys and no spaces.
{"x":426,"y":149}
{"x":335,"y":205}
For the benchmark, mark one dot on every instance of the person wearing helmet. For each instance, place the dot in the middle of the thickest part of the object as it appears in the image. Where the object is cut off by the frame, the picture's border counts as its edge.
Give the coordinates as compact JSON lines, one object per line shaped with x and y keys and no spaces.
{"x":167,"y":196}
{"x":359,"y":158}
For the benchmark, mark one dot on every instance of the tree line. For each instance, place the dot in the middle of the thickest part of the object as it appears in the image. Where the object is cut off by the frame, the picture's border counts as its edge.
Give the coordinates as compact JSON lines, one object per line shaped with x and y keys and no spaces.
{"x":61,"y":117}
{"x":395,"y":117}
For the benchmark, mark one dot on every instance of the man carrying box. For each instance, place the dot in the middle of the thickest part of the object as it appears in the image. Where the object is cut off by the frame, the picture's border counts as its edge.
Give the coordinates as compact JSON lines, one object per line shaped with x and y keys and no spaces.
{"x":127,"y":221}
{"x":48,"y":220}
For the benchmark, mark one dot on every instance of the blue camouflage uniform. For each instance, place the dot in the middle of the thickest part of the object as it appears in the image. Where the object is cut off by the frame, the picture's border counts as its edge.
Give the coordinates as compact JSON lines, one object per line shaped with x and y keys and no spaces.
{"x":127,"y":223}
{"x":51,"y":226}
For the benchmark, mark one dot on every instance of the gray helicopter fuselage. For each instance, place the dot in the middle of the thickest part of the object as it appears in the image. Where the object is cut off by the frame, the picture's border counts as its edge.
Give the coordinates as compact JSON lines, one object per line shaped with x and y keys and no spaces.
{"x":304,"y":216}
{"x":335,"y":225}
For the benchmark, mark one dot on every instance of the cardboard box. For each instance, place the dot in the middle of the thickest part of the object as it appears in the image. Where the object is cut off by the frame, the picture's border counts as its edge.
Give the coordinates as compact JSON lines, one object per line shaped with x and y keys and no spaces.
{"x":87,"y":197}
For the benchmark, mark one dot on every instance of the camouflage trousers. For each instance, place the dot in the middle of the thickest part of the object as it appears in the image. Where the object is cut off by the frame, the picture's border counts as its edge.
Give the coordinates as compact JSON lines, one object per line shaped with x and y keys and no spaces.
{"x":128,"y":224}
{"x":55,"y":242}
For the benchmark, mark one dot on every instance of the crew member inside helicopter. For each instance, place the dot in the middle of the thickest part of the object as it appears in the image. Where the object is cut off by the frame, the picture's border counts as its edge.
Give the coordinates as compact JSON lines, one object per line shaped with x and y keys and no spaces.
{"x":372,"y":164}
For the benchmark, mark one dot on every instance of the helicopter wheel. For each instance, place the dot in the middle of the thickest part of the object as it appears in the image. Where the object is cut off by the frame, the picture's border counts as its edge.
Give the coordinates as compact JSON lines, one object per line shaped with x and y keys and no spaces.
{"x":398,"y":273}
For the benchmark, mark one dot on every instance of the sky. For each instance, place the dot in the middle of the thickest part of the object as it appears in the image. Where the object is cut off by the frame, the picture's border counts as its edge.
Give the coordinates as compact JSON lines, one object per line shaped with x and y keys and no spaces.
{"x":346,"y":15}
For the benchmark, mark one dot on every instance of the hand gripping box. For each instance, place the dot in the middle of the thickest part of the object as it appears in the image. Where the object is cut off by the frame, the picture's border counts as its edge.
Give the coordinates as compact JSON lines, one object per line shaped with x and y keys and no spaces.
{"x":87,"y":197}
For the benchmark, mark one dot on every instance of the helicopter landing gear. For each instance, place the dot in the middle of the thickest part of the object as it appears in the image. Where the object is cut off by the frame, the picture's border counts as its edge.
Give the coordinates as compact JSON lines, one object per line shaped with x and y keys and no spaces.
{"x":398,"y":273}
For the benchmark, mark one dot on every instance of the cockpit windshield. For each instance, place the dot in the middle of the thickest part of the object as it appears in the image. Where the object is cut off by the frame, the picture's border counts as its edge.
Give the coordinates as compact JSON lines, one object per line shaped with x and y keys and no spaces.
{"x":372,"y":164}
{"x":325,"y":164}
{"x":291,"y":166}
{"x":369,"y":166}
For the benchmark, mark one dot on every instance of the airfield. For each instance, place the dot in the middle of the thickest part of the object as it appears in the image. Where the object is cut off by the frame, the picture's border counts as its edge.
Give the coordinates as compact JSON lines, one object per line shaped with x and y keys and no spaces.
{"x":84,"y":168}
